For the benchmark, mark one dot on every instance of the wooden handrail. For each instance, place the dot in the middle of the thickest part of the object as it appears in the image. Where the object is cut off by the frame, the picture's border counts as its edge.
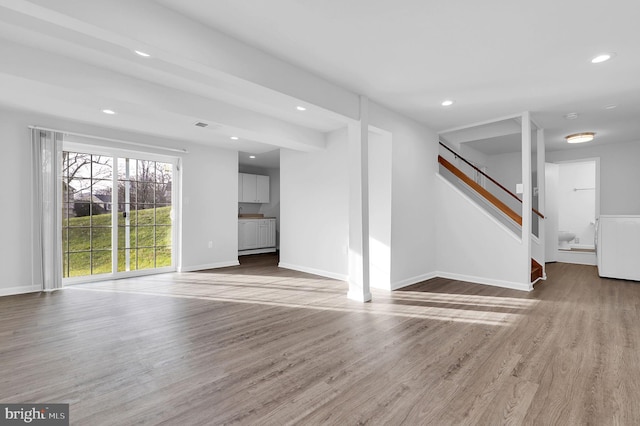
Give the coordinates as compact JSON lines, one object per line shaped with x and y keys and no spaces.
{"x":488,"y":177}
{"x":479,"y":189}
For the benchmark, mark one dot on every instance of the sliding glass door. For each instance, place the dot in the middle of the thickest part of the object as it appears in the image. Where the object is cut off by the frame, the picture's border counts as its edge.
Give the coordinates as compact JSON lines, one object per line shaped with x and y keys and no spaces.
{"x":117,"y":215}
{"x":144,"y":214}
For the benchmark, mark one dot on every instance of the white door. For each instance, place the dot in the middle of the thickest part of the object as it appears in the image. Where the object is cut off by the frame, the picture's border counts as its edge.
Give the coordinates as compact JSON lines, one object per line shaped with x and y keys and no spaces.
{"x":551,"y":174}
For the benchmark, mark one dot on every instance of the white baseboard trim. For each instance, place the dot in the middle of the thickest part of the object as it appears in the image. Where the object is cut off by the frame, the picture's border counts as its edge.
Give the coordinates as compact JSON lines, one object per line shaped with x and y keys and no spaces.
{"x":327,"y":274}
{"x":256,"y":251}
{"x":208,"y":266}
{"x":577,"y":257}
{"x":19,"y":290}
{"x":485,"y":281}
{"x":543,"y":278}
{"x":413,"y":280}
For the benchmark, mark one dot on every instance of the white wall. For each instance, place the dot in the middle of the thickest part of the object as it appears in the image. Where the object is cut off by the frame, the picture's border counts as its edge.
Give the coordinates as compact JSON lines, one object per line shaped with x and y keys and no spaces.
{"x":577,"y":208}
{"x":209,"y":189}
{"x":471,"y":154}
{"x":619,"y":174}
{"x":314,"y":208}
{"x":15,"y":250}
{"x":506,"y":169}
{"x":413,"y":196}
{"x":552,"y":173}
{"x":473,"y":246}
{"x":380,"y":178}
{"x":209,"y":213}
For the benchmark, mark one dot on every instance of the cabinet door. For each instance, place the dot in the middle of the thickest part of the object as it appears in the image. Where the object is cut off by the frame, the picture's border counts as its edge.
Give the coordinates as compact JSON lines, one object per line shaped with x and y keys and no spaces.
{"x":262,"y":189}
{"x":248,"y":188}
{"x":247,"y":234}
{"x":272,"y":233}
{"x":240,"y":199}
{"x":263,"y":233}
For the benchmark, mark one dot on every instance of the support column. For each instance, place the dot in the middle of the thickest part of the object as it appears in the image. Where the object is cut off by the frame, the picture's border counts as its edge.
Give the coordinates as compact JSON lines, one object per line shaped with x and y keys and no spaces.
{"x":359,"y":206}
{"x":526,"y":194}
{"x":542,"y":194}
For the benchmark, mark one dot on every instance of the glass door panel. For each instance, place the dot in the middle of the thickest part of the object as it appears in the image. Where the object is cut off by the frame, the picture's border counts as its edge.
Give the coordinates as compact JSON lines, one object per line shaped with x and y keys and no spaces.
{"x":86,"y":221}
{"x":144,"y":220}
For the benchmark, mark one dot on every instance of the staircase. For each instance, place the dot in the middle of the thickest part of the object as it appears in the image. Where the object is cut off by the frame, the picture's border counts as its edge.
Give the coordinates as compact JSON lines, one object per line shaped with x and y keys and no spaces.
{"x":537,"y":270}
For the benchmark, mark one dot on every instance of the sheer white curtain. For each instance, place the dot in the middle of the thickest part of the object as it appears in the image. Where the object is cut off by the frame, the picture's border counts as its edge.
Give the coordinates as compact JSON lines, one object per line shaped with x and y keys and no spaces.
{"x":46,"y":147}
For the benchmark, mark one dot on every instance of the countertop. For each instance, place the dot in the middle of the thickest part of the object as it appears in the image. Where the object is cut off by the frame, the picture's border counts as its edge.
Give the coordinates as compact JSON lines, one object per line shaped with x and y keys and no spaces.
{"x":256,"y":217}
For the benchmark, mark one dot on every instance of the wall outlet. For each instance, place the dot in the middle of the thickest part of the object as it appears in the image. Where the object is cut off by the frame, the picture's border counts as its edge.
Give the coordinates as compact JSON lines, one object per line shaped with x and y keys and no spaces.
{"x":577,"y":240}
{"x":210,"y":244}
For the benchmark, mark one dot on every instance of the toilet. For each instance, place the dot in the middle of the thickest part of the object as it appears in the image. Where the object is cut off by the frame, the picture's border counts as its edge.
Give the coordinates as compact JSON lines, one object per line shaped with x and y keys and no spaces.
{"x":564,"y":238}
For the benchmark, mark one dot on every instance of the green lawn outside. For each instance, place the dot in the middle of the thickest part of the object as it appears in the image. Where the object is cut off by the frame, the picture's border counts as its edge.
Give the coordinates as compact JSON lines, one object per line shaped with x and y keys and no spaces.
{"x":83,"y":245}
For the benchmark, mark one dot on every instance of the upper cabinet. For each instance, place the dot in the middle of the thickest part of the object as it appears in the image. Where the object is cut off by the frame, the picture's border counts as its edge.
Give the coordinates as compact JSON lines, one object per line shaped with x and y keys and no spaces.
{"x":253,"y":188}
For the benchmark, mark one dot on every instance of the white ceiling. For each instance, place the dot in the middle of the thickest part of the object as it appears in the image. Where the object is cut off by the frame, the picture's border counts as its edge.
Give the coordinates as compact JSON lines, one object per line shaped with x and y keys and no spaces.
{"x":495,"y":59}
{"x":266,"y":160}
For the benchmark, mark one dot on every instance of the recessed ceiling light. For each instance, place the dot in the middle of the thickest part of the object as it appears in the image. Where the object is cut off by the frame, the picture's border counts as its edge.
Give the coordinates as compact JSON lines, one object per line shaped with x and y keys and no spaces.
{"x":141,"y":53}
{"x":235,"y":138}
{"x":571,"y":116}
{"x":252,"y":156}
{"x":109,"y":111}
{"x":301,"y":108}
{"x":580,"y":137}
{"x":447,"y":102}
{"x":612,"y":106}
{"x":603,"y":57}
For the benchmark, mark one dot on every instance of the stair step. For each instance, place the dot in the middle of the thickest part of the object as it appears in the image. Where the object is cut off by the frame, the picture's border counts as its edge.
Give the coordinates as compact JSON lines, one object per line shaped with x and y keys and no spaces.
{"x":536,"y":270}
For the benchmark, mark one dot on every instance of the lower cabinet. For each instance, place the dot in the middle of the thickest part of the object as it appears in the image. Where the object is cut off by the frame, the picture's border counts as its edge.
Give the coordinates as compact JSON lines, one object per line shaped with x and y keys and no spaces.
{"x":247,"y":234}
{"x":257,"y":234}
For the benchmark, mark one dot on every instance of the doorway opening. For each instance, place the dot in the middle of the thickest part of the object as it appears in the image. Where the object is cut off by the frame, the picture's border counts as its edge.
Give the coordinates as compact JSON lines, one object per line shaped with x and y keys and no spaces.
{"x":574,"y":192}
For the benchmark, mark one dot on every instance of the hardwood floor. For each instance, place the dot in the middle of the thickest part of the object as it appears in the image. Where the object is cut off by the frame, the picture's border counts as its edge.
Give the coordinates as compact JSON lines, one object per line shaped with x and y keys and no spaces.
{"x":255,"y":344}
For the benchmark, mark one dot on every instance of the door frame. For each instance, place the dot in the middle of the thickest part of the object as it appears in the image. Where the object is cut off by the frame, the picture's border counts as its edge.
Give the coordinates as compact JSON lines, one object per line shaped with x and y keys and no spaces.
{"x":83,"y":144}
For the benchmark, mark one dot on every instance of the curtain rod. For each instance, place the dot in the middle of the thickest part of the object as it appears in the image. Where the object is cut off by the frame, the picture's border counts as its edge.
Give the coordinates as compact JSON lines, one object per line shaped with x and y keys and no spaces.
{"x":146,"y":145}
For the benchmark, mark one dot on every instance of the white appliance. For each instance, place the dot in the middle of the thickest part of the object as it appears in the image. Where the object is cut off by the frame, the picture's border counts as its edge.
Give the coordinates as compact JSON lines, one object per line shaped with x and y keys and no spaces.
{"x":618,"y":247}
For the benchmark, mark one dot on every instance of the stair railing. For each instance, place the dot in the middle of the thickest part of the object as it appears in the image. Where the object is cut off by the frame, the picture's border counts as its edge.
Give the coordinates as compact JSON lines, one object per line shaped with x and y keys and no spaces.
{"x":482,"y":191}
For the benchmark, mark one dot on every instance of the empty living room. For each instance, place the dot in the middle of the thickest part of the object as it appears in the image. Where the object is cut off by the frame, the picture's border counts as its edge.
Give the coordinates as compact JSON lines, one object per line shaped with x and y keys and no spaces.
{"x":289,"y":212}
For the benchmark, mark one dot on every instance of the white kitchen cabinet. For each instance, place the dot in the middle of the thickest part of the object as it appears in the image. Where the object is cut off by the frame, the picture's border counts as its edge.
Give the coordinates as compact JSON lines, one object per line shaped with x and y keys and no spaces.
{"x":256,"y":235}
{"x":262,"y":189}
{"x":618,"y":247}
{"x":253,"y":188}
{"x":247,"y":234}
{"x":267,"y":233}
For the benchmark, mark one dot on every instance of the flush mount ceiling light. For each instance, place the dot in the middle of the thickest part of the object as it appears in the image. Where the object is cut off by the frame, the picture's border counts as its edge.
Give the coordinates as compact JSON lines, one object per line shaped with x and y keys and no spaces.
{"x":301,"y":108}
{"x":109,"y":111}
{"x":603,"y":57}
{"x":612,"y":106}
{"x":141,"y":53}
{"x":447,"y":102}
{"x":252,"y":156}
{"x":580,"y":137}
{"x":235,"y":138}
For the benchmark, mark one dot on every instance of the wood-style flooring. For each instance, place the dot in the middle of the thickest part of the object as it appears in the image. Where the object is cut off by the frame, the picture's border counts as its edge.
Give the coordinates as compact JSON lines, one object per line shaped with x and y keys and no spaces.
{"x":256,"y":344}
